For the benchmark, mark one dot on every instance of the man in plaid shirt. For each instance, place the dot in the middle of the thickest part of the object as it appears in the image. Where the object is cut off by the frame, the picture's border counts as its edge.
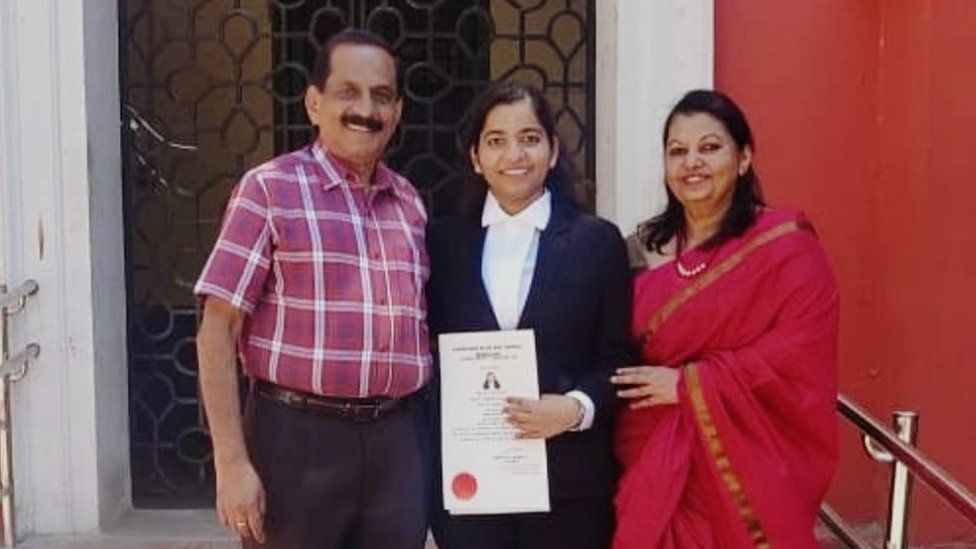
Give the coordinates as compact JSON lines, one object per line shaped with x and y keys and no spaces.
{"x":316,"y":284}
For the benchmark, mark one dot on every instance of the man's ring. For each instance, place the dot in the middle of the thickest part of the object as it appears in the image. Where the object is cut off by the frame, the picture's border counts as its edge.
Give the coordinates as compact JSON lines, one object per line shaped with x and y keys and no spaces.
{"x":240,"y":523}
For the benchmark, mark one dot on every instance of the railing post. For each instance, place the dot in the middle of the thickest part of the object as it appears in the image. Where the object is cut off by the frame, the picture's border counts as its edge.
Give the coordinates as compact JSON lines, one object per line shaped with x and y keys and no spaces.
{"x":886,"y":447}
{"x":6,"y":470}
{"x":899,"y":502}
{"x":11,"y":369}
{"x":7,"y":532}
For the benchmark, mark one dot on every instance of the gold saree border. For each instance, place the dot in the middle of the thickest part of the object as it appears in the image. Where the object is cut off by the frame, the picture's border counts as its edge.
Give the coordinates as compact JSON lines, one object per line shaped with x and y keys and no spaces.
{"x":714,"y":444}
{"x":712,"y":275}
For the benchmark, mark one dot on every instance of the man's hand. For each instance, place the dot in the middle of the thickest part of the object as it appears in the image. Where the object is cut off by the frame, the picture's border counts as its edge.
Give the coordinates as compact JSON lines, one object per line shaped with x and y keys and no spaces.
{"x":648,"y":385}
{"x":240,"y":499}
{"x":240,"y":495}
{"x":543,"y":418}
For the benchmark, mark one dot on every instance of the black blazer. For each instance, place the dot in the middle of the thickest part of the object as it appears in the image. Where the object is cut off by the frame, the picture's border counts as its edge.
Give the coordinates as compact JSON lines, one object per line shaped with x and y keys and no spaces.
{"x":578,"y":305}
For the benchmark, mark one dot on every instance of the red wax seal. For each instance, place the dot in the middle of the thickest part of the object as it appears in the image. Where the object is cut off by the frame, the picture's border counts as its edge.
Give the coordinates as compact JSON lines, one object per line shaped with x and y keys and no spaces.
{"x":464,"y":486}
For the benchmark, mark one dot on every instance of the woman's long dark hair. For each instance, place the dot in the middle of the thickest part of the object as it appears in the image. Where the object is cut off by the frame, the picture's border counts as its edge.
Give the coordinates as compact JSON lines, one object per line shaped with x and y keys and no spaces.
{"x":558,"y":180}
{"x":746,"y":196}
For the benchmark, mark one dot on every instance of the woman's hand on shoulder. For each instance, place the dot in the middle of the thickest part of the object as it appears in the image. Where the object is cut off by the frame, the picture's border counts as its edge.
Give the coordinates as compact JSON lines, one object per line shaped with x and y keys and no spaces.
{"x":647,"y":385}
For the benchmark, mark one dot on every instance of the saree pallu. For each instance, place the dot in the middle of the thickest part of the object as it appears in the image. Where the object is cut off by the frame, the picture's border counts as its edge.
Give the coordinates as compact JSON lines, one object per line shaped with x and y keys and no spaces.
{"x":744,"y":459}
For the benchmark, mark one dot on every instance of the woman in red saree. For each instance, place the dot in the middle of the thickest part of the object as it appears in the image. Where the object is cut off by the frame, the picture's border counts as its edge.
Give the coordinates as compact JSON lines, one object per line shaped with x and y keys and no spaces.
{"x":728,"y":435}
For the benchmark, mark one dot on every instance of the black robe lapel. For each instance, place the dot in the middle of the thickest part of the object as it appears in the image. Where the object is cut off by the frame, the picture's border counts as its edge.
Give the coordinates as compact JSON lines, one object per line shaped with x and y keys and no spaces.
{"x":553,"y":244}
{"x":475,"y":252}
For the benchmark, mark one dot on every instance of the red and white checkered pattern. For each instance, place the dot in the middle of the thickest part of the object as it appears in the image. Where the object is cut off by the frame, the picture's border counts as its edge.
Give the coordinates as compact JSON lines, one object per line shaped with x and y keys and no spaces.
{"x":331,"y":274}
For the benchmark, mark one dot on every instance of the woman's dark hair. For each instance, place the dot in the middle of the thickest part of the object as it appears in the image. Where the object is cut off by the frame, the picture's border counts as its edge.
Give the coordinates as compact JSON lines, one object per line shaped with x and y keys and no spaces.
{"x":746,"y":196}
{"x":559,"y":178}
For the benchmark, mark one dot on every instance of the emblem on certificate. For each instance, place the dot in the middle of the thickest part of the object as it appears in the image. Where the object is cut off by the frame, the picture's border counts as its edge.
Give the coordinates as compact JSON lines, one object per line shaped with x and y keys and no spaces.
{"x":486,"y":470}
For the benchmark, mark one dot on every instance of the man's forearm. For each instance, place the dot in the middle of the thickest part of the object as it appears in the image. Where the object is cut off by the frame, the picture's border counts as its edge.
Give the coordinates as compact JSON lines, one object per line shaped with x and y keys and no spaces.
{"x":219,"y":386}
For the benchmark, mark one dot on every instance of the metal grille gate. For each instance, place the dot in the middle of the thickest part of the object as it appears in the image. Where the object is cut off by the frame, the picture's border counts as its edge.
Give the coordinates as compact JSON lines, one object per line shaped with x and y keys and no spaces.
{"x":211,"y":88}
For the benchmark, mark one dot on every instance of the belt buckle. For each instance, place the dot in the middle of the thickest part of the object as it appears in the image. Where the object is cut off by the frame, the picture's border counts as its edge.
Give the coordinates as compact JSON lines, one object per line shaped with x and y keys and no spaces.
{"x":362,"y":413}
{"x":293,"y":400}
{"x":355,"y":412}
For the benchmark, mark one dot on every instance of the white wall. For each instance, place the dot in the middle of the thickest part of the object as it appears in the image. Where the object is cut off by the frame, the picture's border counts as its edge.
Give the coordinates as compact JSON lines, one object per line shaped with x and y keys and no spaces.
{"x":649,"y":52}
{"x":61,"y":225}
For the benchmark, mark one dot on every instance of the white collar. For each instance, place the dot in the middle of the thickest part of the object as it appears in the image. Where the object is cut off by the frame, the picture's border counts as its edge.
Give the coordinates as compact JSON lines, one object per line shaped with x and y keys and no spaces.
{"x":535,"y":215}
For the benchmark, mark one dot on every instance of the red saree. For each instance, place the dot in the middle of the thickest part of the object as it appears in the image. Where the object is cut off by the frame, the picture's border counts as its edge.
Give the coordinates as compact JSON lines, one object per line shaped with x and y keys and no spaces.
{"x":745,"y":457}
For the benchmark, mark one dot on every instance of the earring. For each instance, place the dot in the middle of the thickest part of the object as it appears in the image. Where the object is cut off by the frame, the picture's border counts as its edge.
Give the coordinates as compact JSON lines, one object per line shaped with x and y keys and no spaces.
{"x":477,"y":169}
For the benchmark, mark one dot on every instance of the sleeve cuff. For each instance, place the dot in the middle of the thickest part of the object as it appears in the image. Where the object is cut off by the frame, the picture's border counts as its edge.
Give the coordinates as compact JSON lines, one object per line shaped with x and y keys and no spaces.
{"x":589,"y":410}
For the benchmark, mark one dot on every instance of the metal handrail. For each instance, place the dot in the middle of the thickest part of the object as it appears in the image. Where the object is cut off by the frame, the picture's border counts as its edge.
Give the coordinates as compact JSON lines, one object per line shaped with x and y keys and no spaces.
{"x":920,"y":465}
{"x":908,"y":463}
{"x":841,"y":528}
{"x":12,"y":369}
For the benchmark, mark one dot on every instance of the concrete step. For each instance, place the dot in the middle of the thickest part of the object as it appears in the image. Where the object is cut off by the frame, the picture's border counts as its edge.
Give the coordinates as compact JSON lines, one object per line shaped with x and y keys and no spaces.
{"x":148,"y":529}
{"x":153,"y":529}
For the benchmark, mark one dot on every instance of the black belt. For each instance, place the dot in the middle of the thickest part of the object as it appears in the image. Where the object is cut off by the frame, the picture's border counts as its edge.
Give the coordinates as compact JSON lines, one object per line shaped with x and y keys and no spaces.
{"x":358,"y":410}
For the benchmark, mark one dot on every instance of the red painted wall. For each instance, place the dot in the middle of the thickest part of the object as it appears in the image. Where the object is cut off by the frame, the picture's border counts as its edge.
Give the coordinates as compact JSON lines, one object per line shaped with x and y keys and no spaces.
{"x":865,"y":116}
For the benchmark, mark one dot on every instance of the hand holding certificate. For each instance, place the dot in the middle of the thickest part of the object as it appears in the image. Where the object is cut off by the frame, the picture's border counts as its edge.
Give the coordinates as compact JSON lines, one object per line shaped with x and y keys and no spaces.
{"x":486,"y":468}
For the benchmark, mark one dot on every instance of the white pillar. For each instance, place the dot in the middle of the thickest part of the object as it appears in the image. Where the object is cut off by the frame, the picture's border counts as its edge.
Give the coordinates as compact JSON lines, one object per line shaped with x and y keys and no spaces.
{"x":648,"y":53}
{"x":61,"y":210}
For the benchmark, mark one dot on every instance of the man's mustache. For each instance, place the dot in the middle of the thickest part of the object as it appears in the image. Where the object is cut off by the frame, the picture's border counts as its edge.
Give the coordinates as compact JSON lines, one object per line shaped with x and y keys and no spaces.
{"x":371,"y":124}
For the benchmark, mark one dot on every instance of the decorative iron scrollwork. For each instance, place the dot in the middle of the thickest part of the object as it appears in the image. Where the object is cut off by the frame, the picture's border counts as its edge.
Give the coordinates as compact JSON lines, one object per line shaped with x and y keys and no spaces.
{"x":212,"y":88}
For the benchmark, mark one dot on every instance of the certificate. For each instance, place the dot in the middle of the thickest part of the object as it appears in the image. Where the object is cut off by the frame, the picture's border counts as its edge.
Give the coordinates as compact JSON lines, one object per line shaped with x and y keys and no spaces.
{"x":486,"y":470}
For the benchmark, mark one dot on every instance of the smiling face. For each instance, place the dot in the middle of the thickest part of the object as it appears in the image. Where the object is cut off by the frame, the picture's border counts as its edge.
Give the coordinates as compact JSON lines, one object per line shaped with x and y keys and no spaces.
{"x":358,"y":106}
{"x":514,"y":154}
{"x":702,"y":162}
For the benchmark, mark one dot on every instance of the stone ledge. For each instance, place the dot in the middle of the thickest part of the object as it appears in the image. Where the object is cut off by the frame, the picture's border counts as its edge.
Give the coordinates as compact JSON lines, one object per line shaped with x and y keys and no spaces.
{"x":153,"y":529}
{"x":148,"y":529}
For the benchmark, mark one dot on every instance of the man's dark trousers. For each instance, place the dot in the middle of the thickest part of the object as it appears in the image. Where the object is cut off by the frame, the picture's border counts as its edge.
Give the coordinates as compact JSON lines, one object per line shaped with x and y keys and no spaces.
{"x":334,"y":483}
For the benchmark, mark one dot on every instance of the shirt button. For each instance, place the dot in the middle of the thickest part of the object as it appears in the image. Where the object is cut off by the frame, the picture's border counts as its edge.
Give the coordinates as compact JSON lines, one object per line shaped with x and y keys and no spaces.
{"x":382,"y":300}
{"x":376,"y":256}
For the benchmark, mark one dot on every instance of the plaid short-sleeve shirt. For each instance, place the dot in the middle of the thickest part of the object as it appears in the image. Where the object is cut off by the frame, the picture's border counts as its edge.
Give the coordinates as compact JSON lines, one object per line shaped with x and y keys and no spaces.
{"x":331,"y":275}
